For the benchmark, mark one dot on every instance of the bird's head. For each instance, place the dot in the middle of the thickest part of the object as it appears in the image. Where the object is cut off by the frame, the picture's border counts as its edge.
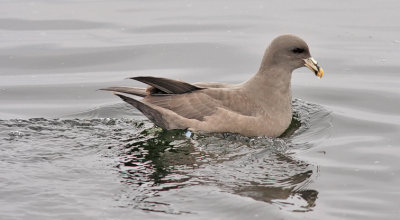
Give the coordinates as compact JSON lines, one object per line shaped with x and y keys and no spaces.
{"x":291,"y":52}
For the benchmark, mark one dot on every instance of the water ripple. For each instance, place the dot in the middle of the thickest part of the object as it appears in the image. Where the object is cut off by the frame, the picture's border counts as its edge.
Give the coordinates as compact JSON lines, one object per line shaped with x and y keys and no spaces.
{"x":149,"y":162}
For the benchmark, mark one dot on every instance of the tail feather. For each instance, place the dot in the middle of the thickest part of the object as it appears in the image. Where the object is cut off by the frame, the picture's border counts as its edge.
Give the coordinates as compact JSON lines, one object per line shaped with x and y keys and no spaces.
{"x":168,"y":86}
{"x":154,"y":115}
{"x":133,"y":91}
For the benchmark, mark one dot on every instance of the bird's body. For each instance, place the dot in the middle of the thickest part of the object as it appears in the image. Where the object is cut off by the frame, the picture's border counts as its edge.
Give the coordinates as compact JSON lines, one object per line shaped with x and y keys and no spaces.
{"x":260,"y":106}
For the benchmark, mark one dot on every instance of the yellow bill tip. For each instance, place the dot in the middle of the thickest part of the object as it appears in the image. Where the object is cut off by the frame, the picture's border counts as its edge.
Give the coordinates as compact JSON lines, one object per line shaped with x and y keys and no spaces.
{"x":320,"y":73}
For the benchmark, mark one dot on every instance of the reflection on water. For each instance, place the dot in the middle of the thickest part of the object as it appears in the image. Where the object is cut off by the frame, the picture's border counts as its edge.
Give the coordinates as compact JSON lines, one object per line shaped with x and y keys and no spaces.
{"x":151,"y":162}
{"x":260,"y":168}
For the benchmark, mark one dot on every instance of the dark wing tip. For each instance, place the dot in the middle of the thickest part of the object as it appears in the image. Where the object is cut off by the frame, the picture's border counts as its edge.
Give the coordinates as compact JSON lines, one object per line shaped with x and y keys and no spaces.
{"x":127,"y":90}
{"x":124,"y":98}
{"x":140,"y":77}
{"x":154,"y":115}
{"x":105,"y":89}
{"x":168,"y":86}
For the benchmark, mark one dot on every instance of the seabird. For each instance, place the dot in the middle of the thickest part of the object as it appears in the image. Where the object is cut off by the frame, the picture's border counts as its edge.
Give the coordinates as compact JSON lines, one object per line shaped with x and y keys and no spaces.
{"x":260,"y":106}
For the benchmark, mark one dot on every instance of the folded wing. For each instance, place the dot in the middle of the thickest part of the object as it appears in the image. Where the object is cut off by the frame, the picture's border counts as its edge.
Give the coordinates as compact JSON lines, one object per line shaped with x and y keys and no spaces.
{"x":166,"y":97}
{"x":167,"y":86}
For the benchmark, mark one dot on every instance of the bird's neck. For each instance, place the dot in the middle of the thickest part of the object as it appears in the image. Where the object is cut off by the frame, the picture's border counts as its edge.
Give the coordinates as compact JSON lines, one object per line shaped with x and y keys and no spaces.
{"x":271,"y":87}
{"x":273,"y":79}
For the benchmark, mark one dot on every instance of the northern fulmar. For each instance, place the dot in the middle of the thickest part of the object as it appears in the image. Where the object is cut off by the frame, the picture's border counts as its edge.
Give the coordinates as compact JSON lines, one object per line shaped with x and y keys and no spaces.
{"x":260,"y":106}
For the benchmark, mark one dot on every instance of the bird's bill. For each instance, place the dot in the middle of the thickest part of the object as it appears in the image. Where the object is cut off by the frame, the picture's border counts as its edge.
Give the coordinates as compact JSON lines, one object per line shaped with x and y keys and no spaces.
{"x":312,"y":64}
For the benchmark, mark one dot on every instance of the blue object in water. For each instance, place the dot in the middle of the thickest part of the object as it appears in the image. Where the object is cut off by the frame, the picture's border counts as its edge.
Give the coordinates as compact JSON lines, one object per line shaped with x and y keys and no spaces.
{"x":188,"y":134}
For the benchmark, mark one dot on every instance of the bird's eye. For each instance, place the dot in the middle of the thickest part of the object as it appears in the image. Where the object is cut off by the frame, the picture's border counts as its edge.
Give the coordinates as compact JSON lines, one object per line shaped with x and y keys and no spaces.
{"x":298,"y":50}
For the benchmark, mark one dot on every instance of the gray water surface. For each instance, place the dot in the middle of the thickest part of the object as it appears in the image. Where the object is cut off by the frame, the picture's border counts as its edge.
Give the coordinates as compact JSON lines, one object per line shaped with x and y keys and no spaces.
{"x":68,"y":151}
